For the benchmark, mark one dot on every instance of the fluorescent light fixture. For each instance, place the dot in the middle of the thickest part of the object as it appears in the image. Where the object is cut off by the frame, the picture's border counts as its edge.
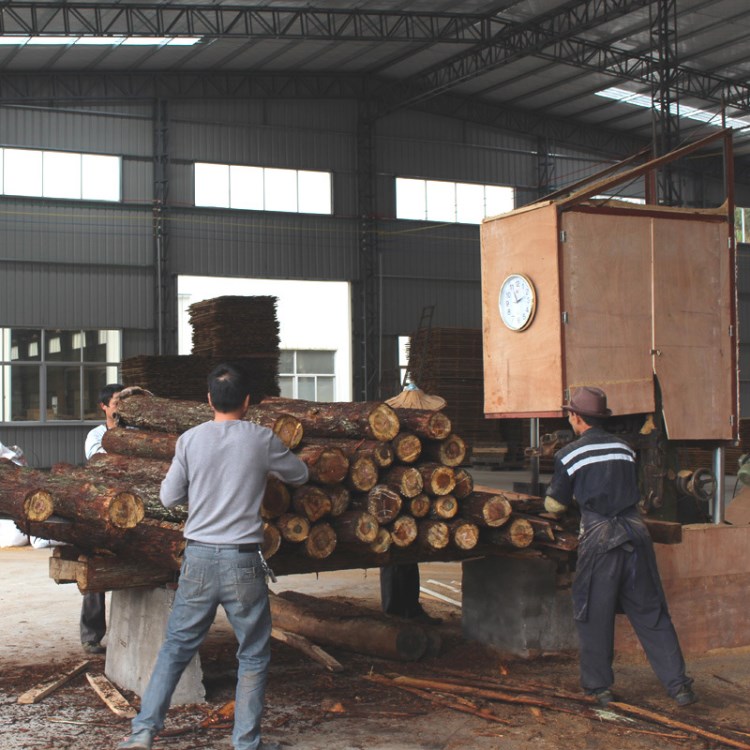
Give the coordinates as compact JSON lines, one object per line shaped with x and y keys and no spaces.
{"x":681,"y":110}
{"x":183,"y":41}
{"x":10,"y":40}
{"x":144,"y":41}
{"x":100,"y":40}
{"x":52,"y":40}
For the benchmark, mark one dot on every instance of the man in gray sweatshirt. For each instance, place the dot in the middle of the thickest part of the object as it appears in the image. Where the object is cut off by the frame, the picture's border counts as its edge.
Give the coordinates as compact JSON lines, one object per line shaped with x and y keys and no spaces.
{"x":220,"y":470}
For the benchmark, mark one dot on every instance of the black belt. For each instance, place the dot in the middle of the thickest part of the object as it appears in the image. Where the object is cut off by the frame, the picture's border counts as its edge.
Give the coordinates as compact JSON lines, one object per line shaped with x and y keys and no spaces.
{"x":256,"y":547}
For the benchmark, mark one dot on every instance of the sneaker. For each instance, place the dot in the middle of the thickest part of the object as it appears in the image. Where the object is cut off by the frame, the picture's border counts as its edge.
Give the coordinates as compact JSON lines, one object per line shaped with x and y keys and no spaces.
{"x":603,"y":697}
{"x":94,"y":647}
{"x":685,"y":696}
{"x":137,"y":741}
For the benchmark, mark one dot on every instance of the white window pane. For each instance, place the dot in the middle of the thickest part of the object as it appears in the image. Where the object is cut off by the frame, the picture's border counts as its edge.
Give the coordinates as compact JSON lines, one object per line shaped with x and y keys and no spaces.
{"x":314,"y":191}
{"x":23,"y":172}
{"x":212,"y":185}
{"x":2,"y":160}
{"x":469,"y":203}
{"x":246,"y":187}
{"x":441,"y":201}
{"x":61,"y":175}
{"x":410,"y":199}
{"x":306,"y":388}
{"x":100,"y":177}
{"x":286,"y":386}
{"x":280,"y":189}
{"x":325,"y":389}
{"x":498,"y":200}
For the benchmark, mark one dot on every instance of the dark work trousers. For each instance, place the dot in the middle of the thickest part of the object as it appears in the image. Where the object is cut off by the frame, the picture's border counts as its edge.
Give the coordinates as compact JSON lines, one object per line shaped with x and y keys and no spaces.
{"x":622,"y":582}
{"x":93,"y":618}
{"x":399,"y":590}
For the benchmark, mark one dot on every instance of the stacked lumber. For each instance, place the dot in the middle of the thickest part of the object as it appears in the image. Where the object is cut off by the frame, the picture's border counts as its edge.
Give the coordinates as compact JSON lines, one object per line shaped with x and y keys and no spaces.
{"x":178,"y":376}
{"x":386,"y":486}
{"x":235,"y":327}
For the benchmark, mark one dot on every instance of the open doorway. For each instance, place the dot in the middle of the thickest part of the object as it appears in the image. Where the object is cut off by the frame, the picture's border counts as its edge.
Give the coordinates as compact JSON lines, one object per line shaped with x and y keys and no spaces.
{"x":315,"y":329}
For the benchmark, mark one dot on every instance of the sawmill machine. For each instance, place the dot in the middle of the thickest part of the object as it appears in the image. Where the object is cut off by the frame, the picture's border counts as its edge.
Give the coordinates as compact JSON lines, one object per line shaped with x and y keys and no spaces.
{"x":639,"y":300}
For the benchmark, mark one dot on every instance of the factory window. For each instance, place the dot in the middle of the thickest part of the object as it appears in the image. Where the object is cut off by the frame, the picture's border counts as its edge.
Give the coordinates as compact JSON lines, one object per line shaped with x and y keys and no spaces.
{"x":742,"y":224}
{"x":262,"y":188}
{"x":59,"y":174}
{"x":458,"y":202}
{"x":51,"y":375}
{"x":307,"y":374}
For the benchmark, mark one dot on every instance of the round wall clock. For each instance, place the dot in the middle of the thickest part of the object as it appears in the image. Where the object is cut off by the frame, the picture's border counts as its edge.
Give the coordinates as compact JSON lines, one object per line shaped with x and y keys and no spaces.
{"x":517,"y":302}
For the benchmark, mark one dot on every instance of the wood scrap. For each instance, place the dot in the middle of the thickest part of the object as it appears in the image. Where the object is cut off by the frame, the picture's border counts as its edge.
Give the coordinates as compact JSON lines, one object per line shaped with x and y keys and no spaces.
{"x":316,"y":653}
{"x":42,"y":691}
{"x":112,"y":697}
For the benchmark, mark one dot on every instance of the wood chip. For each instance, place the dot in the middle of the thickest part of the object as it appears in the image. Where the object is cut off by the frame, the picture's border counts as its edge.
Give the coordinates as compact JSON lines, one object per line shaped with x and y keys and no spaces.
{"x":42,"y":691}
{"x":115,"y":700}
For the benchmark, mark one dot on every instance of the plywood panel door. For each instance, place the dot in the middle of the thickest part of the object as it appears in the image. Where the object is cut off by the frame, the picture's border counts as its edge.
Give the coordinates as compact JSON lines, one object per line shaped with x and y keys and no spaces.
{"x":692,"y":318}
{"x":606,"y":270}
{"x":522,"y":369}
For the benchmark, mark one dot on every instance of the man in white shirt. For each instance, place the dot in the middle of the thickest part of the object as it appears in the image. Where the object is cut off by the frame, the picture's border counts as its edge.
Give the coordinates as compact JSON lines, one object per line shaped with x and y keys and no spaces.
{"x":93,"y":614}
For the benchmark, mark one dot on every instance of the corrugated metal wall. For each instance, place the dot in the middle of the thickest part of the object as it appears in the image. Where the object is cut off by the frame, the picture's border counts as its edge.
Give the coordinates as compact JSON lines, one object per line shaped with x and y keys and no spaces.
{"x":76,"y":264}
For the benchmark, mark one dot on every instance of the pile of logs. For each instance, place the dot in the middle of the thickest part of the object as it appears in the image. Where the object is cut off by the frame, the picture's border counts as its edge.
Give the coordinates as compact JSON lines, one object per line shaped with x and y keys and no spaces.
{"x":386,"y":485}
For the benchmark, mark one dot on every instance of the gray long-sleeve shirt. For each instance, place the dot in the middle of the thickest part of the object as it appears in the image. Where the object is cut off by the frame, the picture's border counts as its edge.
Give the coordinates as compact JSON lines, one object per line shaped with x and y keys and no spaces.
{"x":220,"y":470}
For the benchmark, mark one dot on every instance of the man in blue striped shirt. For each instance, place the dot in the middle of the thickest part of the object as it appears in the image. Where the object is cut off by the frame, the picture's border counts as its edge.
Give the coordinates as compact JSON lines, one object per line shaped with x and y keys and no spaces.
{"x":616,"y":569}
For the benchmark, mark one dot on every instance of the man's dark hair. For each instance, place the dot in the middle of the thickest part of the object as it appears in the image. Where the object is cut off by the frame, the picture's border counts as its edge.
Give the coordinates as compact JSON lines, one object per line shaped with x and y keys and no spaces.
{"x":594,"y":421}
{"x":109,"y":390}
{"x":228,"y":388}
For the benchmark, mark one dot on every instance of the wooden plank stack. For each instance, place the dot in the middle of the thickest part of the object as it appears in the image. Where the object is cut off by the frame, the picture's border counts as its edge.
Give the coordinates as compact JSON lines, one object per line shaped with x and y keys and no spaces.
{"x":240,"y":330}
{"x":385,"y":486}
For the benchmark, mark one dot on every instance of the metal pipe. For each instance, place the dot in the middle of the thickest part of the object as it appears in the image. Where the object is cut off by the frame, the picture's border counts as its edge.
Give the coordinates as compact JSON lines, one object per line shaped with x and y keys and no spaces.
{"x":718,"y":508}
{"x":534,"y":460}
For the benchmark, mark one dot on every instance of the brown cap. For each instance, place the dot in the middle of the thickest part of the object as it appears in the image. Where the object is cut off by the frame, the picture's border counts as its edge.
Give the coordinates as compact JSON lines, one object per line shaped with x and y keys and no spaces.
{"x":589,"y":402}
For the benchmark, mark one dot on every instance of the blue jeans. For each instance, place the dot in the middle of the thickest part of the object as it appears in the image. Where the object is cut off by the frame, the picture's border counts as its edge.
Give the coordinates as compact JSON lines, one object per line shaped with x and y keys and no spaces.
{"x":212,"y":575}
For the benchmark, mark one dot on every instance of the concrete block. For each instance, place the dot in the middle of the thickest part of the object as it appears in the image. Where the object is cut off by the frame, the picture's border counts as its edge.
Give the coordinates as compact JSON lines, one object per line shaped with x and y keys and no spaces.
{"x":517,"y":605}
{"x":137,"y":623}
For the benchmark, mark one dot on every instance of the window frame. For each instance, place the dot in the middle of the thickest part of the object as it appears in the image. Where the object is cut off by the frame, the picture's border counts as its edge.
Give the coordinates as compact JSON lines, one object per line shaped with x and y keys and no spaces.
{"x":297,"y":374}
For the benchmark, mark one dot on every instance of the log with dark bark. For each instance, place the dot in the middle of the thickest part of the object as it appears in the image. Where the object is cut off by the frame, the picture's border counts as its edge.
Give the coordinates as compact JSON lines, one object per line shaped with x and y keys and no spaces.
{"x":380,"y":452}
{"x":359,"y":631}
{"x":486,"y":509}
{"x":321,"y":541}
{"x":311,"y":501}
{"x":544,"y":528}
{"x":112,"y":466}
{"x":406,"y":480}
{"x":449,"y":452}
{"x":433,"y":535}
{"x":358,"y":419}
{"x":176,"y":416}
{"x":276,"y":499}
{"x":326,"y":465}
{"x":23,"y":503}
{"x":403,"y":531}
{"x":437,"y":479}
{"x":141,"y":443}
{"x":82,"y":500}
{"x":355,"y":526}
{"x":418,"y":506}
{"x":293,"y":527}
{"x":464,"y":534}
{"x":464,"y":483}
{"x":517,"y":533}
{"x":363,"y":473}
{"x":443,"y":508}
{"x":407,"y":447}
{"x":381,"y":502}
{"x":433,"y":425}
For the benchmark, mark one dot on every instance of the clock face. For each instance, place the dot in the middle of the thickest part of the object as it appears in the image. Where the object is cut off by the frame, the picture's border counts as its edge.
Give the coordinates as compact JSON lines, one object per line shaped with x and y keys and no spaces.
{"x":517,"y":302}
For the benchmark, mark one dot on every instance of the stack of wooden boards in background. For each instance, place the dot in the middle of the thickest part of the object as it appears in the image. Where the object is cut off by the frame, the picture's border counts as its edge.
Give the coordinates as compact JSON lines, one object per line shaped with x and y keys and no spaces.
{"x":241,"y":330}
{"x":385,"y":486}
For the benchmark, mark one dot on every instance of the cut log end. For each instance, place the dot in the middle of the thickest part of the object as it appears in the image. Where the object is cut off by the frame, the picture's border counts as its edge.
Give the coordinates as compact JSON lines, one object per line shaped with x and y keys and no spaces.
{"x":384,"y":422}
{"x":271,"y":540}
{"x":382,"y":542}
{"x":38,"y":505}
{"x":126,"y":510}
{"x":403,"y":531}
{"x":321,"y":541}
{"x":289,"y":431}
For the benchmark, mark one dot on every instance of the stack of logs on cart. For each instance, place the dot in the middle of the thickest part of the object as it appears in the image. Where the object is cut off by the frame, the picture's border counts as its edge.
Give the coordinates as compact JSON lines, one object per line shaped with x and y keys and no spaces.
{"x":386,"y":486}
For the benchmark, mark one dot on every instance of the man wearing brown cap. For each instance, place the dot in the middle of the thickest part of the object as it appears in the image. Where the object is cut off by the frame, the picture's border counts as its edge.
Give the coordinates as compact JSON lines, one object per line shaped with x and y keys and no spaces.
{"x":616,"y":569}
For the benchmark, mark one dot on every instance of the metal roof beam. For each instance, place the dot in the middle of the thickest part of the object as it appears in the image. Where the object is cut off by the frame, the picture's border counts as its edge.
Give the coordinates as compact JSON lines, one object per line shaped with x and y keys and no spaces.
{"x":242,"y":22}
